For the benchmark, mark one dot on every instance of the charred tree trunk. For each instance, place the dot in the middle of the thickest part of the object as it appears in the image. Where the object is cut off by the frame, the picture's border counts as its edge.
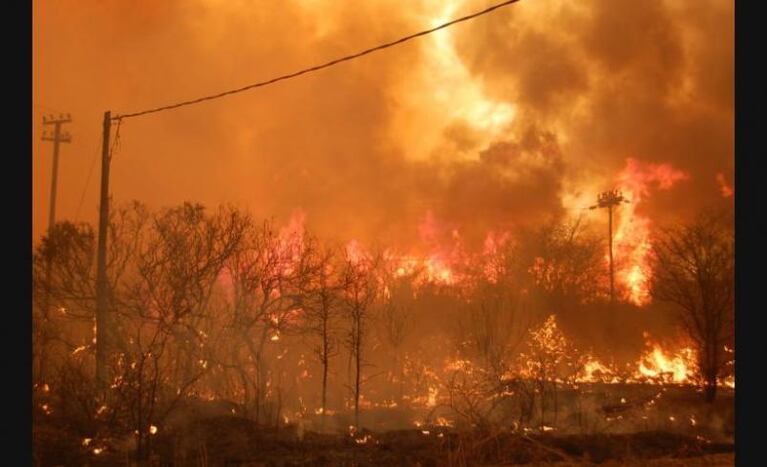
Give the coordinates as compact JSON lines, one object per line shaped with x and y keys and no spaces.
{"x":260,"y":375}
{"x":556,"y":401}
{"x":710,"y":391}
{"x":401,"y":368}
{"x":357,"y":358}
{"x":709,"y":361}
{"x":325,"y":363}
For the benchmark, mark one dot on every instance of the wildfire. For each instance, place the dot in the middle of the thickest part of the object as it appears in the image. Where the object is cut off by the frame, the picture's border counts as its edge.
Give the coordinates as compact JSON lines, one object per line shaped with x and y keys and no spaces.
{"x":356,"y":252}
{"x":724,"y":188}
{"x":594,"y":371}
{"x":432,"y":400}
{"x":663,"y":366}
{"x":632,"y":232}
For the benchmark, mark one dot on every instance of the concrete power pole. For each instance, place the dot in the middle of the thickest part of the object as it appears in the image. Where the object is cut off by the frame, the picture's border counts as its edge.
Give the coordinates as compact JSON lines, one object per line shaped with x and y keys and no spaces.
{"x":609,"y":200}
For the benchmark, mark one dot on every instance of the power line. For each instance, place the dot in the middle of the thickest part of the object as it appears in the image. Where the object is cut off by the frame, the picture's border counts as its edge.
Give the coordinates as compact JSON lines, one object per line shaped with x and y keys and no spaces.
{"x":103,"y":324}
{"x":87,"y":181}
{"x":317,"y":67}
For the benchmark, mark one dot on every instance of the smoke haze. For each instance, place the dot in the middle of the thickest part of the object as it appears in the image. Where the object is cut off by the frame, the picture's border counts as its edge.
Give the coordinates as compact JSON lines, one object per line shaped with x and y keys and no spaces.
{"x":511,"y":118}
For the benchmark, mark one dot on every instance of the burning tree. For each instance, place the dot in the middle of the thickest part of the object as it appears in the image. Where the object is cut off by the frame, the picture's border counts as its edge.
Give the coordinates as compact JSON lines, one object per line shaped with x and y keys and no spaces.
{"x":64,"y":271}
{"x":264,"y":277}
{"x":550,"y":358}
{"x":491,"y":325}
{"x":63,"y":280}
{"x":179,"y":254}
{"x":694,"y":271}
{"x":565,"y":263}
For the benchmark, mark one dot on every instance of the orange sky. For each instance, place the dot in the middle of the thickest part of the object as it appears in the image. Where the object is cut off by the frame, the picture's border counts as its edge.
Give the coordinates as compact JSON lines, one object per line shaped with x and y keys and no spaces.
{"x":508,"y":118}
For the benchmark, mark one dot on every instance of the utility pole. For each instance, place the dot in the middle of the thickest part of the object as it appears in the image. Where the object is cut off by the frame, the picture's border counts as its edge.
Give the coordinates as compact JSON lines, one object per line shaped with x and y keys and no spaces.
{"x":57,"y":138}
{"x":609,"y":200}
{"x":102,"y":286}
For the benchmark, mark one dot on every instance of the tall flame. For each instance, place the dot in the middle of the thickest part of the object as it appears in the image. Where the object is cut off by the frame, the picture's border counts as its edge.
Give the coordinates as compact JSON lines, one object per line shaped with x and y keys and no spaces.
{"x":632,"y":232}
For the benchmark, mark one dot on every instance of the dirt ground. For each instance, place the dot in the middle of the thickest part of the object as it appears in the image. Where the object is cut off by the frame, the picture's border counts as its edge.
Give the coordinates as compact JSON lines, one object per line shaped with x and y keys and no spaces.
{"x":712,"y":460}
{"x":673,"y":429}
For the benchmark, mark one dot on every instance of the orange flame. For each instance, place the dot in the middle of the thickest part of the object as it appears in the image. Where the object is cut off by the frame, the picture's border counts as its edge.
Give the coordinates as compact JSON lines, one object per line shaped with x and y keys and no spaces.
{"x":664,"y":366}
{"x":632,"y":233}
{"x":724,"y":188}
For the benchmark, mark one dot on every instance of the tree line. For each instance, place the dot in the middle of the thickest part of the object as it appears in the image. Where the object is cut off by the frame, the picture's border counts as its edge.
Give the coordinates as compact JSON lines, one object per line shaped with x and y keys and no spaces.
{"x":199,"y":298}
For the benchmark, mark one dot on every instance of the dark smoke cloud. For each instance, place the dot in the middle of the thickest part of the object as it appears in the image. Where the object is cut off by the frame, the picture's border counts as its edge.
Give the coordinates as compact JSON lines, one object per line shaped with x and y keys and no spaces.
{"x":591,"y":84}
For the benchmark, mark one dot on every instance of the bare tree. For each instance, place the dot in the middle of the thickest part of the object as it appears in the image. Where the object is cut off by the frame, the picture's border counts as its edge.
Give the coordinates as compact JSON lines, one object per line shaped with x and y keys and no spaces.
{"x":396,"y":322}
{"x":267,"y":276}
{"x":61,"y":275}
{"x":179,"y":255}
{"x":321,"y":310}
{"x":68,"y":284}
{"x":161,"y":269}
{"x":694,"y":270}
{"x":360,"y":287}
{"x":396,"y":317}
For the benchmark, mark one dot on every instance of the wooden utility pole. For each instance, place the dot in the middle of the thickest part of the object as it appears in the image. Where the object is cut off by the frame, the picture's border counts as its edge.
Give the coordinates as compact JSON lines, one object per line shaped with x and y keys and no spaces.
{"x":102,"y":286}
{"x":610,"y":199}
{"x":57,"y":138}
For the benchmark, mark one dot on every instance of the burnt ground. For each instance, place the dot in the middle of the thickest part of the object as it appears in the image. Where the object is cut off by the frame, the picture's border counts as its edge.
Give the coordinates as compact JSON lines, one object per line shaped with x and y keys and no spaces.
{"x":634,"y":429}
{"x":235,"y":441}
{"x":230,"y":441}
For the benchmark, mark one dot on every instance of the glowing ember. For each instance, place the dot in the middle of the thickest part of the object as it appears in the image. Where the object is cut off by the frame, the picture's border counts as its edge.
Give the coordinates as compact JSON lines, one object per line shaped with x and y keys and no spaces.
{"x":363,"y":440}
{"x":442,"y":421}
